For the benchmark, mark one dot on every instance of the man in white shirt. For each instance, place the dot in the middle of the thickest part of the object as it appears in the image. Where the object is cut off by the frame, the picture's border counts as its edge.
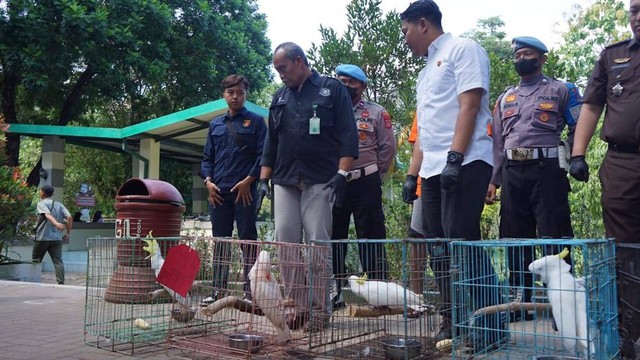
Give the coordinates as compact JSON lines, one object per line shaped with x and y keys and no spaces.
{"x":453,"y":152}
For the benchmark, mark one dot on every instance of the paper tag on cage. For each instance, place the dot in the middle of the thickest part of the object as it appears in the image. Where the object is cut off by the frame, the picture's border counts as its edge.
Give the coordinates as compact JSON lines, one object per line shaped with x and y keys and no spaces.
{"x":314,"y":126}
{"x":180,"y":269}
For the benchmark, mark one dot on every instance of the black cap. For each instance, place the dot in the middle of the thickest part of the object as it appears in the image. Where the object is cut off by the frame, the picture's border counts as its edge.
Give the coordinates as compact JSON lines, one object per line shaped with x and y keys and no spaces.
{"x":48,"y":189}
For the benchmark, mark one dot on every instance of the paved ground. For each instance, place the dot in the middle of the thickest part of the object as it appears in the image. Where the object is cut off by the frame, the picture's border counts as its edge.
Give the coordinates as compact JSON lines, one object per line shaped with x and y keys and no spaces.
{"x":46,"y":321}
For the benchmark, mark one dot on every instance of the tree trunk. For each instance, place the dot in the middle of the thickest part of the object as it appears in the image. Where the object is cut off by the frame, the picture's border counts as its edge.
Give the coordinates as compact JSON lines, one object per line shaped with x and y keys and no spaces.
{"x":12,"y":148}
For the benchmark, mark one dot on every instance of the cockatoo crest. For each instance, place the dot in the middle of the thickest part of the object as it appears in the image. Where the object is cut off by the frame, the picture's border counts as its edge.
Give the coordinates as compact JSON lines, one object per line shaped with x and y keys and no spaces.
{"x":551,"y":265}
{"x":152,"y":245}
{"x":362,"y":279}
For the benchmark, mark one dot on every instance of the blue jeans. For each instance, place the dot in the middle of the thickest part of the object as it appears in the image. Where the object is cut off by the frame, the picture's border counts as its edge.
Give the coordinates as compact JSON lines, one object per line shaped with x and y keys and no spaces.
{"x":222,"y":218}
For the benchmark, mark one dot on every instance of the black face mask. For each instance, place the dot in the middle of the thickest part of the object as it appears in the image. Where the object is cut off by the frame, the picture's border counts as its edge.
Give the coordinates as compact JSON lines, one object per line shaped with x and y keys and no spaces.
{"x":526,"y":67}
{"x":353,"y":92}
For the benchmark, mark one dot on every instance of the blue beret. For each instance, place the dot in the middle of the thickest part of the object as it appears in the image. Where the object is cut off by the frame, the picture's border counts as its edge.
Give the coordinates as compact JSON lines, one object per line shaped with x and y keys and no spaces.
{"x":530,"y":42}
{"x":351,"y":71}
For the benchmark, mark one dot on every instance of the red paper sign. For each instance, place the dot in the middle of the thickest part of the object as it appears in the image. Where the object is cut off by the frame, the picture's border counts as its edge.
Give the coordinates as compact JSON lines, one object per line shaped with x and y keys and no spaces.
{"x":179,"y":269}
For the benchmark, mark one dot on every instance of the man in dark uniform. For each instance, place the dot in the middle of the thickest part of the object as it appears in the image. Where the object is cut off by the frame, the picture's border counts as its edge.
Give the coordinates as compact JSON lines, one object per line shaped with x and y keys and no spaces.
{"x":616,"y":84}
{"x":310,"y":147}
{"x":530,"y":166}
{"x":363,"y":199}
{"x":230,"y":166}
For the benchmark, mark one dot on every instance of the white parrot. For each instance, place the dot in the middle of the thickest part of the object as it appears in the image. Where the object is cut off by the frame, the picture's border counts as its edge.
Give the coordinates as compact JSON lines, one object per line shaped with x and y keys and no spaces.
{"x":156,"y":264}
{"x":383,"y":293}
{"x":568,"y":300}
{"x":266,"y":294}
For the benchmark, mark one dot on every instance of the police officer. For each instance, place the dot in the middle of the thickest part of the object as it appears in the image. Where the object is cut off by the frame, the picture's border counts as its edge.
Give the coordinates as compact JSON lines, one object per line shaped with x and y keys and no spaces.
{"x":230,"y":166}
{"x":615,"y":83}
{"x":363,"y":198}
{"x":528,"y":120}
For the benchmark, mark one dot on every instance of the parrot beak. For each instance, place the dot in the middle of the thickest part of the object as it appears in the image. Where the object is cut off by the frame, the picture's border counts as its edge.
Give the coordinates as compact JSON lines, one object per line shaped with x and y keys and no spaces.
{"x":563,"y":254}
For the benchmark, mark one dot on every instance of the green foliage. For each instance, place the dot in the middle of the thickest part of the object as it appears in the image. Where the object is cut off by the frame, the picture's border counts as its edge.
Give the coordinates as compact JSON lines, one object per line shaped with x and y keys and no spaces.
{"x":16,"y":198}
{"x":374,"y":42}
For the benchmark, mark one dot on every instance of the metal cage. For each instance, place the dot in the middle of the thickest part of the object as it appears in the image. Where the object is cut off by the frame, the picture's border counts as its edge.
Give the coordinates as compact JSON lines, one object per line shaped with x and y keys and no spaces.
{"x":502,"y":311}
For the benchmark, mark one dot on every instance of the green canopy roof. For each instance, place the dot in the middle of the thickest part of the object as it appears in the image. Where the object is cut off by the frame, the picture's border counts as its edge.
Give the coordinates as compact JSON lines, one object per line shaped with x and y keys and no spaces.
{"x":181,"y":135}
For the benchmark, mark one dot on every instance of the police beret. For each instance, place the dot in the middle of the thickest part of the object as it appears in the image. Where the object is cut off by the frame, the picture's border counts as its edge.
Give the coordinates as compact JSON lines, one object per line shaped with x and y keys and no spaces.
{"x":351,"y":71}
{"x":530,"y":42}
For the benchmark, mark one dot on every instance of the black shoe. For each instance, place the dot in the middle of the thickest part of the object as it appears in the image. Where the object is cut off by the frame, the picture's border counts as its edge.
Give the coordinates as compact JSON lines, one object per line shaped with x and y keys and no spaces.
{"x":445,"y":330}
{"x":337,"y":302}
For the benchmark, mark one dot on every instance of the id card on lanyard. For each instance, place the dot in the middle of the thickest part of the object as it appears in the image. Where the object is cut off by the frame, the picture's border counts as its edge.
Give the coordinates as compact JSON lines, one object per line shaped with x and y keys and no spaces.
{"x":314,"y":122}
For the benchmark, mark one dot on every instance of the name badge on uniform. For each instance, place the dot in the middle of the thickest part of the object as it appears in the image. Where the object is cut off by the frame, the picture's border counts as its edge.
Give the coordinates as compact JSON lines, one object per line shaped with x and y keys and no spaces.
{"x":314,"y":126}
{"x":314,"y":123}
{"x":617,"y":89}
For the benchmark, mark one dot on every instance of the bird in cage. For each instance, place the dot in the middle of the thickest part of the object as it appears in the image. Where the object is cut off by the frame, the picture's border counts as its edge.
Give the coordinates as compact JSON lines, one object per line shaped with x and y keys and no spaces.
{"x":266,"y":294}
{"x":388,"y":294}
{"x":568,"y":299}
{"x":157,"y":261}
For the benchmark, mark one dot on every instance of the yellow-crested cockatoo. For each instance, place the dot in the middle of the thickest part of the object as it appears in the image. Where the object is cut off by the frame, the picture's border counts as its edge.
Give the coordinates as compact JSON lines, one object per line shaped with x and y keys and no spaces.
{"x":568,"y":299}
{"x":266,"y":294}
{"x":156,"y":264}
{"x":383,"y":293}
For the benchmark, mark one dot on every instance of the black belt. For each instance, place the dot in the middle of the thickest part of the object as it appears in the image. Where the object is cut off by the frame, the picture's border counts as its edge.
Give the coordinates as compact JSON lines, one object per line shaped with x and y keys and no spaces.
{"x":626,"y":149}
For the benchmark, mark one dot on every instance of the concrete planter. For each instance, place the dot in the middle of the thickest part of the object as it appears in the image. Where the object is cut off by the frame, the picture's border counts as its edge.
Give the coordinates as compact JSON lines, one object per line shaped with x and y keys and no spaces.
{"x":23,"y":271}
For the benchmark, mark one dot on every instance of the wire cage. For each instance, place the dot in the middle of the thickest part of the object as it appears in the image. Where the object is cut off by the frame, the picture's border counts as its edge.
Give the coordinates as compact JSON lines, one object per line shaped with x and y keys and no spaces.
{"x":524,"y":299}
{"x":386,"y":299}
{"x":254,"y":299}
{"x":120,"y":312}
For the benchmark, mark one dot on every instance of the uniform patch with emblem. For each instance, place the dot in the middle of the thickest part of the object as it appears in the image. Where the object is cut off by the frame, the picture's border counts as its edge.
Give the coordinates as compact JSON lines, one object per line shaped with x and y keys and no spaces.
{"x":439,"y":63}
{"x":510,"y":98}
{"x":362,"y":135}
{"x":544,"y":117}
{"x":509,"y":112}
{"x":363,"y":126}
{"x":365,"y":114}
{"x":246,"y":123}
{"x":546,"y":106}
{"x":325,"y":92}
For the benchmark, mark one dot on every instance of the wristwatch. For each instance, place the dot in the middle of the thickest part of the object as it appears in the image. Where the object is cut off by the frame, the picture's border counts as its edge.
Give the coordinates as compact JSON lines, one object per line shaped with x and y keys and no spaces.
{"x":346,"y":174}
{"x":454,"y":157}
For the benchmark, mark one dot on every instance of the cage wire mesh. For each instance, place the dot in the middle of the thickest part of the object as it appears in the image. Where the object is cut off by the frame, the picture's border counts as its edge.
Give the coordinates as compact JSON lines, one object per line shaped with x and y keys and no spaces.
{"x":505,"y":308}
{"x":393,"y":311}
{"x":120,"y":312}
{"x":254,"y":299}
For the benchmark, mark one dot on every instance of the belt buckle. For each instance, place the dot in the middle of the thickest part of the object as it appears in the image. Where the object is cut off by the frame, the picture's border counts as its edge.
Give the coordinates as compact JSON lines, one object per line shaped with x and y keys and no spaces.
{"x":520,"y":154}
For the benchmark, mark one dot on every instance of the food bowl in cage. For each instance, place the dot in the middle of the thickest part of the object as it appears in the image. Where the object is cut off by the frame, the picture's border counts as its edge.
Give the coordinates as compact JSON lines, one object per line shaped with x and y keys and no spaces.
{"x":246,"y":342}
{"x":399,"y":348}
{"x":183,"y":315}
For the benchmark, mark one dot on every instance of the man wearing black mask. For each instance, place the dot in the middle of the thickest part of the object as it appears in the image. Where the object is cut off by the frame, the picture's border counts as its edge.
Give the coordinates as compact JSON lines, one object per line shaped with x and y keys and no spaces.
{"x":363,"y":196}
{"x":530,"y":160}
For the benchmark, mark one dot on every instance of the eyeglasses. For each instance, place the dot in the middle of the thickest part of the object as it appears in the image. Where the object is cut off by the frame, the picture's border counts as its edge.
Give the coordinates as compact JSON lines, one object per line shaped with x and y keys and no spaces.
{"x":233,"y":93}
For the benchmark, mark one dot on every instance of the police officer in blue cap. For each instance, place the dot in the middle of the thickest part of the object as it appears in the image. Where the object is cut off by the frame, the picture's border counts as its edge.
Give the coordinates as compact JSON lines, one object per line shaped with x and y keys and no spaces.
{"x":530,"y":161}
{"x":363,"y":196}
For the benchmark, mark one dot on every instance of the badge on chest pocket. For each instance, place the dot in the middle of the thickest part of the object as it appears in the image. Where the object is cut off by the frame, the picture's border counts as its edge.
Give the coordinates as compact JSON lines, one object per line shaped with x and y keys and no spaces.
{"x":314,"y":122}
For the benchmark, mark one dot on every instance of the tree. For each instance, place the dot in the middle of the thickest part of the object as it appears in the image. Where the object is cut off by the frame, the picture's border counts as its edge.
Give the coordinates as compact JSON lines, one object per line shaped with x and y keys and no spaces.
{"x":374,"y":42}
{"x":65,"y":60}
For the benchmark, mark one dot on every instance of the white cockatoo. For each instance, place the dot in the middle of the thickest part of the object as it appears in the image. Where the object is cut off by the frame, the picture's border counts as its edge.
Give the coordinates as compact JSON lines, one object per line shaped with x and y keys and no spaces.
{"x":568,"y":300}
{"x":266,"y":294}
{"x":383,"y":293}
{"x":156,"y":264}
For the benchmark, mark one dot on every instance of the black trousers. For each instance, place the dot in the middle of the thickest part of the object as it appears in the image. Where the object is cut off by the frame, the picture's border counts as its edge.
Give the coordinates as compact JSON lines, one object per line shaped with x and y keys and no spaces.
{"x":455,"y":214}
{"x":363,"y":200}
{"x":534,"y":204}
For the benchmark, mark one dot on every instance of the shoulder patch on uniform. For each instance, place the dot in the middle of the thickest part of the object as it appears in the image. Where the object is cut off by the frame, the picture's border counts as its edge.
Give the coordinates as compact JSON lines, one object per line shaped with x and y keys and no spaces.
{"x":246,"y":123}
{"x":510,"y":98}
{"x":365,"y":114}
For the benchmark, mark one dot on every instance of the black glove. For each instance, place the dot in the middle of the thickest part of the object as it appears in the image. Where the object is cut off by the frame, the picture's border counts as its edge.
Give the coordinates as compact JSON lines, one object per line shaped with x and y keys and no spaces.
{"x":579,"y":168}
{"x":451,"y":173}
{"x":409,"y":189}
{"x":263,"y":190}
{"x":339,"y":184}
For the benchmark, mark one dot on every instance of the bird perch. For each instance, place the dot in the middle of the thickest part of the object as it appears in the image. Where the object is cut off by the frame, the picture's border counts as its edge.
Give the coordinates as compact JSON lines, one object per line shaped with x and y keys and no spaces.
{"x":512,"y":306}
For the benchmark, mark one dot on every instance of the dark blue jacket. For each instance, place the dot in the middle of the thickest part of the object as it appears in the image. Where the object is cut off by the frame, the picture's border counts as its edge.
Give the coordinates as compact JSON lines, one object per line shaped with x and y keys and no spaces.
{"x":291,"y":151}
{"x":226,"y":161}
